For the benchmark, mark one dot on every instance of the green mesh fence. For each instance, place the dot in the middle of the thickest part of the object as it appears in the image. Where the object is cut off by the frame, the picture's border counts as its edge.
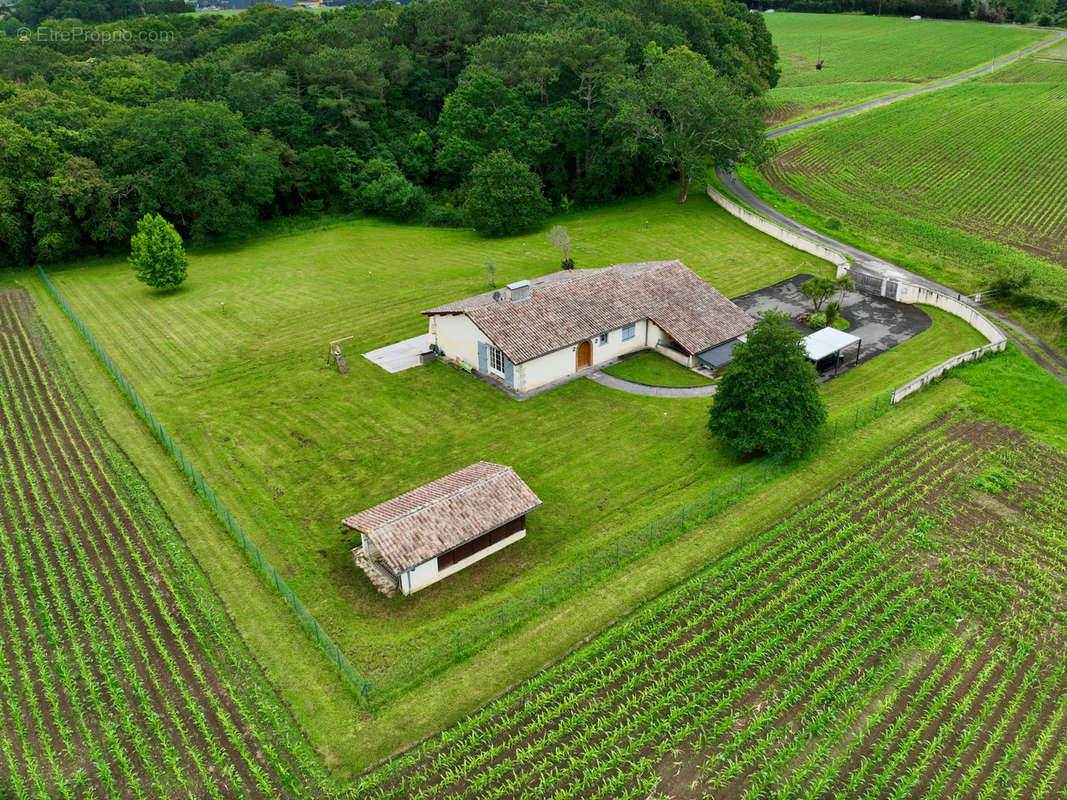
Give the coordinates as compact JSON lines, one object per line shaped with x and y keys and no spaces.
{"x":363,"y":690}
{"x":458,"y":644}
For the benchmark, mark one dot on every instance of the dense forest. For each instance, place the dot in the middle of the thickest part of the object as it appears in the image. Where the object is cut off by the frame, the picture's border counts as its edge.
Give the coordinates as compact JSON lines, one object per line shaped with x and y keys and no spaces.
{"x":216,"y":121}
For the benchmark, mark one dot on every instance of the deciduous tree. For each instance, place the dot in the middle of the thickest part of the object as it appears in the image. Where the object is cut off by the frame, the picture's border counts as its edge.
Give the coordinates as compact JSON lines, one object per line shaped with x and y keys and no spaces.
{"x":157,"y":255}
{"x":504,"y":196}
{"x":768,"y":401}
{"x":695,"y":118}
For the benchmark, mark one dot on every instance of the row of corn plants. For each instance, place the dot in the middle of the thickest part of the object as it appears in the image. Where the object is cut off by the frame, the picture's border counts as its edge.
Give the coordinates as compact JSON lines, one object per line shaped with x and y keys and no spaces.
{"x":839,"y":654}
{"x":121,"y":678}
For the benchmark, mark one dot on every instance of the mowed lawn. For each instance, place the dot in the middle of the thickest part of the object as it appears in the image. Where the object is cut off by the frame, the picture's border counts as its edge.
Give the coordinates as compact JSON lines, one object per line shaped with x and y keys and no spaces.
{"x":865,"y":57}
{"x":653,"y":369}
{"x":292,"y":447}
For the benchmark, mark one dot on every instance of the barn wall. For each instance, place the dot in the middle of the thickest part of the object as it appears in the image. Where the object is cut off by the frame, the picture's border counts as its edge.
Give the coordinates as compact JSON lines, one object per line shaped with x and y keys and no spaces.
{"x":427,"y":573}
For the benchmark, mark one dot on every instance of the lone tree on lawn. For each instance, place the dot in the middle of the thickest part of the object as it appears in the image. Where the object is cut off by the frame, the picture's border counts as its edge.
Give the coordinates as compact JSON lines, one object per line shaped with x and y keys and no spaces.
{"x":768,"y":401}
{"x":561,"y":240}
{"x":504,"y":196}
{"x":156,"y":253}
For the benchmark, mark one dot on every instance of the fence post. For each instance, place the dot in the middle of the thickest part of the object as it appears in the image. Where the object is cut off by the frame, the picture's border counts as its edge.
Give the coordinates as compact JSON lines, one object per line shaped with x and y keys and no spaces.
{"x":503,"y":623}
{"x":459,"y":650}
{"x":741,"y":483}
{"x":856,"y":422}
{"x":616,"y":554}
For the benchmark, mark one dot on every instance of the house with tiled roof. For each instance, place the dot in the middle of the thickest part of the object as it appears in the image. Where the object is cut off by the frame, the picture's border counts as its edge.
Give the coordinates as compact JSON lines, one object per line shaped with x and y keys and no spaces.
{"x":539,"y":332}
{"x":431,"y":532}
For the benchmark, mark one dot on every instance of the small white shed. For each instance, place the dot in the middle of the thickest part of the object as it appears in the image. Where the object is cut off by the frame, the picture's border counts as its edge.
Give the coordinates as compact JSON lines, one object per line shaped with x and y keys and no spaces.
{"x":436,"y":530}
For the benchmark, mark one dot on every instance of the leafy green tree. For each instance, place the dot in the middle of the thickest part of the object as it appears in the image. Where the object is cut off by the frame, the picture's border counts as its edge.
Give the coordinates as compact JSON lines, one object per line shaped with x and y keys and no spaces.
{"x":157,"y":255}
{"x":481,"y":116}
{"x":504,"y":197}
{"x":695,"y":118}
{"x":26,"y":161}
{"x":818,"y":290}
{"x":768,"y":401}
{"x":204,"y":82}
{"x":192,"y":161}
{"x":385,"y":191}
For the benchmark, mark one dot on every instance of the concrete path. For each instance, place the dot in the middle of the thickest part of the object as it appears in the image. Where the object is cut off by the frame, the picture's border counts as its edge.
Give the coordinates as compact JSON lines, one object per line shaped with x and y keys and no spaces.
{"x":651,"y":391}
{"x":870,"y":264}
{"x":400,"y":356}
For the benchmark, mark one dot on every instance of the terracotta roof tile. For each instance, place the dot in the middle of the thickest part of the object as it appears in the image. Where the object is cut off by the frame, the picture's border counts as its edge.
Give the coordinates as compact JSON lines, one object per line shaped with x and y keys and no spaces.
{"x":570,"y":306}
{"x":435,"y":518}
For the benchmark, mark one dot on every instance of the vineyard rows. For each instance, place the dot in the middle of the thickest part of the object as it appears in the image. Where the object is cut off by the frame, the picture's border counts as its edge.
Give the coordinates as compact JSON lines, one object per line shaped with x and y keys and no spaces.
{"x":986,"y":158}
{"x":866,"y":57}
{"x":119,"y":676}
{"x":900,"y":637}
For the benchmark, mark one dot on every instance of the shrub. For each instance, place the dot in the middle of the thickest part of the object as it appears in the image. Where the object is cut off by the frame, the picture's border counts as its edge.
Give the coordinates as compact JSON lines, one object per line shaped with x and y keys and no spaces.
{"x":816,"y":321}
{"x":833,"y":223}
{"x":384,"y":191}
{"x":504,"y":197}
{"x":444,"y":216}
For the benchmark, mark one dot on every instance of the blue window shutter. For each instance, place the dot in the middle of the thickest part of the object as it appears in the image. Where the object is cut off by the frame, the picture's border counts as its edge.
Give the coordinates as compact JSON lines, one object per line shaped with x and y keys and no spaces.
{"x":483,"y":357}
{"x":509,"y":373}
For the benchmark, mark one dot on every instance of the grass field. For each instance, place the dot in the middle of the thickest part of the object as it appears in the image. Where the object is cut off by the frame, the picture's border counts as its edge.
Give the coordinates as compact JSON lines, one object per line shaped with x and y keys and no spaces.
{"x":957,"y":184}
{"x":292,"y":447}
{"x":902,"y":636}
{"x":654,"y":369}
{"x":120,"y":676}
{"x":867,"y":57}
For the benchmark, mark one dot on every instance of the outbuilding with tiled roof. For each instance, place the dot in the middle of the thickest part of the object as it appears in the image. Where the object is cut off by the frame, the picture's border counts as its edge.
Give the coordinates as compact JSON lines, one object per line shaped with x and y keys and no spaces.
{"x":433,"y":531}
{"x":538,"y":332}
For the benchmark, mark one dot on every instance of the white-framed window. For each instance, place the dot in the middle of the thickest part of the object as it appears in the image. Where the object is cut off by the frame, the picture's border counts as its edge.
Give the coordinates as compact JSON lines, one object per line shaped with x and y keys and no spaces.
{"x":496,"y":360}
{"x":629,"y":331}
{"x":603,"y":338}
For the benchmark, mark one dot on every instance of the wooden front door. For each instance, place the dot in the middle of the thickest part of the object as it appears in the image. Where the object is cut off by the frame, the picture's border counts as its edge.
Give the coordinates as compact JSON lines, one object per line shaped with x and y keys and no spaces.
{"x":585,"y":355}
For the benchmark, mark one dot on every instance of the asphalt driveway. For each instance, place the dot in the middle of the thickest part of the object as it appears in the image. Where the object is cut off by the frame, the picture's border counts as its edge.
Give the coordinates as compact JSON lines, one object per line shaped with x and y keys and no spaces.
{"x":880,"y":323}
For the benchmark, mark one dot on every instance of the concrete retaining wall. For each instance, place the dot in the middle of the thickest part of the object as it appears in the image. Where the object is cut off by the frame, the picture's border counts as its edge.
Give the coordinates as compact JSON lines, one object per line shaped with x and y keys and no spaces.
{"x":905,"y":293}
{"x":791,"y":238}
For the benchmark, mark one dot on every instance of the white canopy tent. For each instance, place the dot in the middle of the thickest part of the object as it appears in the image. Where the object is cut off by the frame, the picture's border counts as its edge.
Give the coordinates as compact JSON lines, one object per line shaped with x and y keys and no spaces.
{"x":829,"y":342}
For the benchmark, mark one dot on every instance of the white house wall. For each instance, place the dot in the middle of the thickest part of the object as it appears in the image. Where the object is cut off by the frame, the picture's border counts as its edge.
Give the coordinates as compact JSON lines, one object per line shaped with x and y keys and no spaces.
{"x":457,"y":336}
{"x":561,"y":363}
{"x":427,"y":573}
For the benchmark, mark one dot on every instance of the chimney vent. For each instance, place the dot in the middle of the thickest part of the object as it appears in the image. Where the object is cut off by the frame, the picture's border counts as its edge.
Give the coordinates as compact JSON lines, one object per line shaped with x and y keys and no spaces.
{"x":520,"y":290}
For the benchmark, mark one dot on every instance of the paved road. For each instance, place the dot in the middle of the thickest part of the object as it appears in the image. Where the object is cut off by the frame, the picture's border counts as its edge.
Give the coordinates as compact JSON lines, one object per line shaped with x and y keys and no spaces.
{"x":864,"y":261}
